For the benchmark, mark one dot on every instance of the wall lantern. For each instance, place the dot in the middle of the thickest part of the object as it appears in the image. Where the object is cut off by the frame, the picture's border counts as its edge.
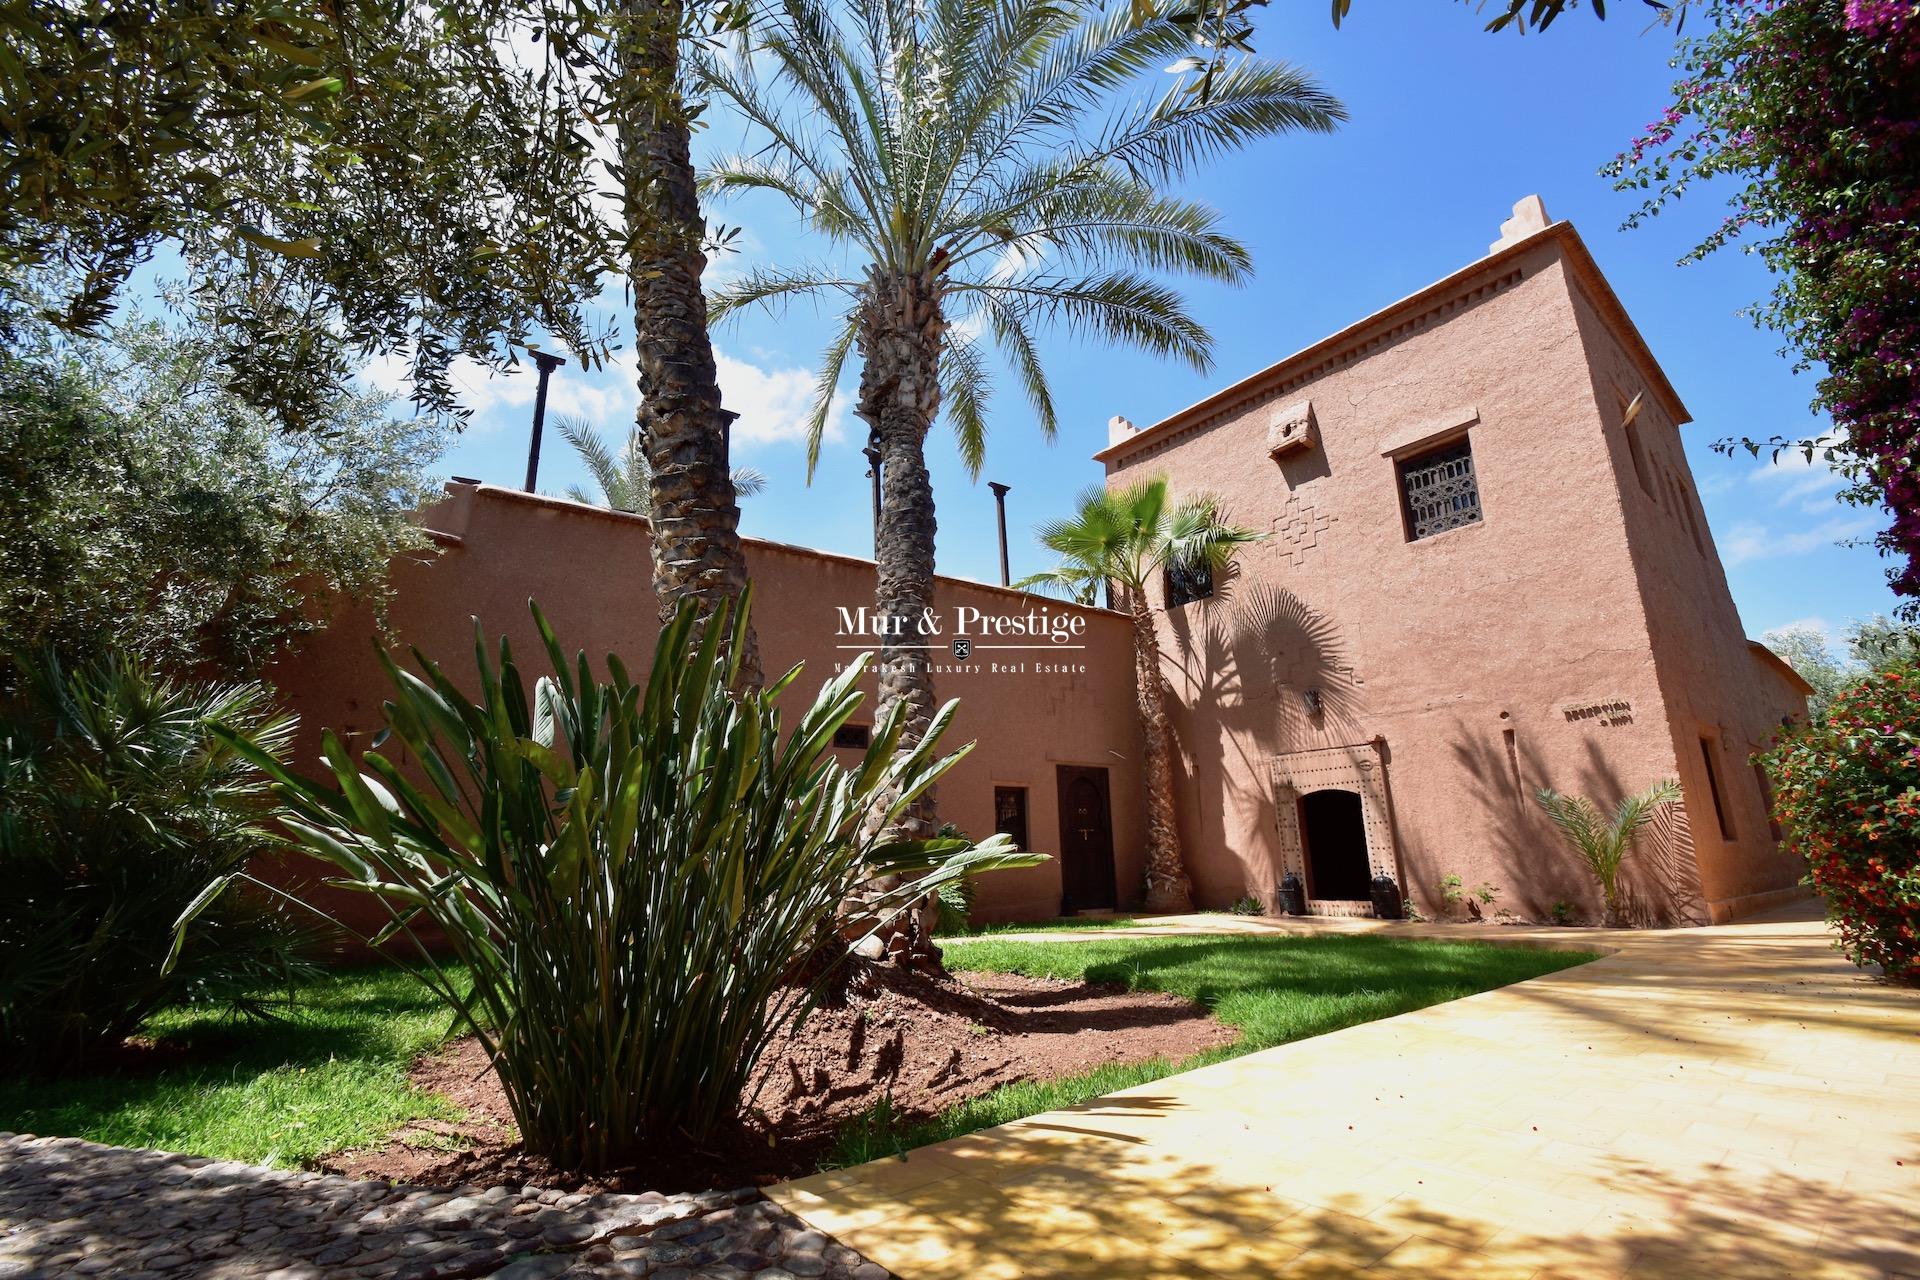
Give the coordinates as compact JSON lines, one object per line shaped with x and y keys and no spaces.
{"x":1292,"y":895}
{"x":1313,"y":700}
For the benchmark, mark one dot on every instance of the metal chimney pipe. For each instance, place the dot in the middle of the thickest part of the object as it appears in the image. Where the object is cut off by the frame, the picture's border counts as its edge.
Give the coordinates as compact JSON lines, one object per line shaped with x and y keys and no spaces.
{"x":1000,"y":501}
{"x":547,"y":362}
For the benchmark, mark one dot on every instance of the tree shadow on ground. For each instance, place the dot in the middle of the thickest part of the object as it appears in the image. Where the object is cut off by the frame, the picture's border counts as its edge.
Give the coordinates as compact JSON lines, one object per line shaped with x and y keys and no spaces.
{"x":1599,"y":1216}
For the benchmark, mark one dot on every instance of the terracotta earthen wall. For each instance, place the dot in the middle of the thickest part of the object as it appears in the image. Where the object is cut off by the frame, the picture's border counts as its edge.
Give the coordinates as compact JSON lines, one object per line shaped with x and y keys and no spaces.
{"x":588,"y":567}
{"x":1716,"y":686}
{"x":1475,"y":660}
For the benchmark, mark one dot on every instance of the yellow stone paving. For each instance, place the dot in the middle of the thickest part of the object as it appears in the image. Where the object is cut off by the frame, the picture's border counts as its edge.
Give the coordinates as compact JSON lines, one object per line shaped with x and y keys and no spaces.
{"x":1729,"y":1102}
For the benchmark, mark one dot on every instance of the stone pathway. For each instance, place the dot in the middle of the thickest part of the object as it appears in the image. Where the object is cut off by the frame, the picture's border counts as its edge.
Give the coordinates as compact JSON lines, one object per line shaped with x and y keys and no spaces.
{"x":73,"y":1208}
{"x":1736,"y":1101}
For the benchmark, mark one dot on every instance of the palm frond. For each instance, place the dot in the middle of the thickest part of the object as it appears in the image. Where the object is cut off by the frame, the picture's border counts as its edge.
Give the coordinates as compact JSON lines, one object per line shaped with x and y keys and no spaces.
{"x":1200,"y":534}
{"x":598,"y":459}
{"x":965,"y":388}
{"x":1067,"y":582}
{"x":1112,"y":217}
{"x":1637,"y":811}
{"x":1011,"y":336}
{"x":762,"y":285}
{"x":832,"y":362}
{"x":1250,"y":100}
{"x":1120,"y":307}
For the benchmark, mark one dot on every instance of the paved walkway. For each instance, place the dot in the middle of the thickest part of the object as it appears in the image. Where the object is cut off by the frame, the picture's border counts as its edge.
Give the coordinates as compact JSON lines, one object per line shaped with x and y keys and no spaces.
{"x":1730,"y":1102}
{"x":73,"y":1208}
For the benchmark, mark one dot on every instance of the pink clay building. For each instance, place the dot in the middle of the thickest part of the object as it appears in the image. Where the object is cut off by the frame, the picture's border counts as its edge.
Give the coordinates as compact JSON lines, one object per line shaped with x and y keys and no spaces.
{"x":1487,"y":572}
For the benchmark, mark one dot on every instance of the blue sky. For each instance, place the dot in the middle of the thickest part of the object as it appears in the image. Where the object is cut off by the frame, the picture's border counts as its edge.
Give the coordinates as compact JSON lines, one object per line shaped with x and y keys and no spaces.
{"x":1449,"y":127}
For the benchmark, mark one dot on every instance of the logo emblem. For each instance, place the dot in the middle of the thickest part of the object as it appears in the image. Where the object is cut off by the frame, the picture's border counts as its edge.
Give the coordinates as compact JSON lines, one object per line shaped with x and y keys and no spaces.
{"x":962,"y":648}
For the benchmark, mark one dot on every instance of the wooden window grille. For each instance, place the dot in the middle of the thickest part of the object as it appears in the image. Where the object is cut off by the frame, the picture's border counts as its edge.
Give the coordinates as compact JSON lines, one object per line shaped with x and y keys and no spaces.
{"x":1439,"y":491}
{"x":1187,"y":583}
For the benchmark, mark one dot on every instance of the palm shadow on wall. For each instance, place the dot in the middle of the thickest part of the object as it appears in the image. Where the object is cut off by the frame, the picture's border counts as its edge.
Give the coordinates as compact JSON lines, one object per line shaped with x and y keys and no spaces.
{"x":1659,"y":882}
{"x":1245,"y":660}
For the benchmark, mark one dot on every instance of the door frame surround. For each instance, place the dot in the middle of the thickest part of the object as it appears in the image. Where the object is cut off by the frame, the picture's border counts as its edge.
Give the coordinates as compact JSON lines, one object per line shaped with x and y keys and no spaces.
{"x":1359,"y":767}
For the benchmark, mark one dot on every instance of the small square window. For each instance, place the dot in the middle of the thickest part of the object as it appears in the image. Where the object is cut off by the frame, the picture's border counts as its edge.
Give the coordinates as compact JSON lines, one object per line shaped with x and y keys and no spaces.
{"x":1187,"y":583}
{"x":857,"y":736}
{"x":1010,"y":814}
{"x":1438,"y":490}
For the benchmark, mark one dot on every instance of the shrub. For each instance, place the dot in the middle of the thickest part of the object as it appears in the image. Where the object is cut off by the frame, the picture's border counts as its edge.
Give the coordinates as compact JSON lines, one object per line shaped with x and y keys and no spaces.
{"x":1847,"y":795}
{"x":118,"y":810}
{"x":953,"y":900}
{"x":149,"y":509}
{"x":640,"y":878}
{"x":1248,"y":904}
{"x":1604,"y":843}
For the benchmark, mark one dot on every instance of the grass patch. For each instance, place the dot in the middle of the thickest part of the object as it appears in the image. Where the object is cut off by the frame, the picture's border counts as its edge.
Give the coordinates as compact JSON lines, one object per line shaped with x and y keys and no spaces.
{"x":330,"y":1073}
{"x":1271,"y":989}
{"x":1068,"y":925}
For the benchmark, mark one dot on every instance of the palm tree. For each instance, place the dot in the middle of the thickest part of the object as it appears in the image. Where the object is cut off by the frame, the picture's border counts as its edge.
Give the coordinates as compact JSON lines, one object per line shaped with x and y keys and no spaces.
{"x":696,"y":521}
{"x":947,"y":144}
{"x":1603,"y":843}
{"x":1129,"y":537}
{"x":626,"y":480}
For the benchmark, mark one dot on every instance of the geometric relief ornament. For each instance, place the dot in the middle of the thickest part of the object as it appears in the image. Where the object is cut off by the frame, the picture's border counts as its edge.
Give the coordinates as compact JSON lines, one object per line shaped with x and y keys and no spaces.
{"x":1297,"y":530}
{"x":1360,"y":767}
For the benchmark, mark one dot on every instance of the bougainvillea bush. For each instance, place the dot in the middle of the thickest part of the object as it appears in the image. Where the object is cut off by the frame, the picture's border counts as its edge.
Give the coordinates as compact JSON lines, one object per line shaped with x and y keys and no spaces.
{"x":1847,"y":793}
{"x":1808,"y":111}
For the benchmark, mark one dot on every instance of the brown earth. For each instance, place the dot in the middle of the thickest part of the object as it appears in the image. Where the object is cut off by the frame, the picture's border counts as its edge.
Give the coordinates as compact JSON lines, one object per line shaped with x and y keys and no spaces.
{"x":925,"y":1043}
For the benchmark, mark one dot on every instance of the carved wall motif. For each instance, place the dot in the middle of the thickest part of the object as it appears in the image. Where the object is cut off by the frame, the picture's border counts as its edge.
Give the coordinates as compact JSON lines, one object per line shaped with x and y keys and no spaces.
{"x":1360,"y":768}
{"x":1297,"y":530}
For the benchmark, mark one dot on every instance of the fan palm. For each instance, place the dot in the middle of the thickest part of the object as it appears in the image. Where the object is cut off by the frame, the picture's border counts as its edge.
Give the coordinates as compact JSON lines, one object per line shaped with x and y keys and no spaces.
{"x":626,"y":479}
{"x":118,"y":806}
{"x":1603,"y":843}
{"x":950,"y":146}
{"x":1129,"y":536}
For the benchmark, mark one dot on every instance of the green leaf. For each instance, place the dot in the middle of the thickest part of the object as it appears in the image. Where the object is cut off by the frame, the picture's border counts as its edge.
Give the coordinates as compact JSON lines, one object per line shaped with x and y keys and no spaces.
{"x":309,"y":247}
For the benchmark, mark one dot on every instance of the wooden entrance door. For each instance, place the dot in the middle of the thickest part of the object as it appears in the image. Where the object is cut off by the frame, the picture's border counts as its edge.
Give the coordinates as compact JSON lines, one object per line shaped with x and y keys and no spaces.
{"x":1086,"y":839}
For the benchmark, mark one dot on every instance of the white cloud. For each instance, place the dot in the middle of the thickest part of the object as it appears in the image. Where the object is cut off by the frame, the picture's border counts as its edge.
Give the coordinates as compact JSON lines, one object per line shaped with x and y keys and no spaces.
{"x":773,"y":404}
{"x":480,"y":389}
{"x":1747,"y":542}
{"x":1795,"y":480}
{"x":773,"y":401}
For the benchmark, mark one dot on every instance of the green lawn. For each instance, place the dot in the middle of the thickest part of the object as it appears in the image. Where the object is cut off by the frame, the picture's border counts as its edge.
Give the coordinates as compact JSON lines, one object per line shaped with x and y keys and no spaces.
{"x":1067,"y":925}
{"x":329,"y":1074}
{"x":1272,"y":989}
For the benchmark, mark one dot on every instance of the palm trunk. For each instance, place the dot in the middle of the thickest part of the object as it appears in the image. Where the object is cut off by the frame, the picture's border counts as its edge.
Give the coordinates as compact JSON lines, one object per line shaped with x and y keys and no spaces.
{"x":900,"y":331}
{"x":695,"y":521}
{"x":1168,"y":888}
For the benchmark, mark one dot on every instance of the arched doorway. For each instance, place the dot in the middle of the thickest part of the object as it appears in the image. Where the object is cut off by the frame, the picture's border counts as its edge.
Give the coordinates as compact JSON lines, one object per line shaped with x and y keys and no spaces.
{"x":1333,"y":829}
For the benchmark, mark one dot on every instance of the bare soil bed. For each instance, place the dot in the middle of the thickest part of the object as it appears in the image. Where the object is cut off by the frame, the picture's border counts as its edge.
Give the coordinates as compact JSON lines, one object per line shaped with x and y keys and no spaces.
{"x":926,"y":1043}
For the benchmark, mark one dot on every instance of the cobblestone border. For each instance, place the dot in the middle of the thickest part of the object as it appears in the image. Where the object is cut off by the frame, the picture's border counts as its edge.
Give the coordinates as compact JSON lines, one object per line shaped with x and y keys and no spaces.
{"x":74,"y":1208}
